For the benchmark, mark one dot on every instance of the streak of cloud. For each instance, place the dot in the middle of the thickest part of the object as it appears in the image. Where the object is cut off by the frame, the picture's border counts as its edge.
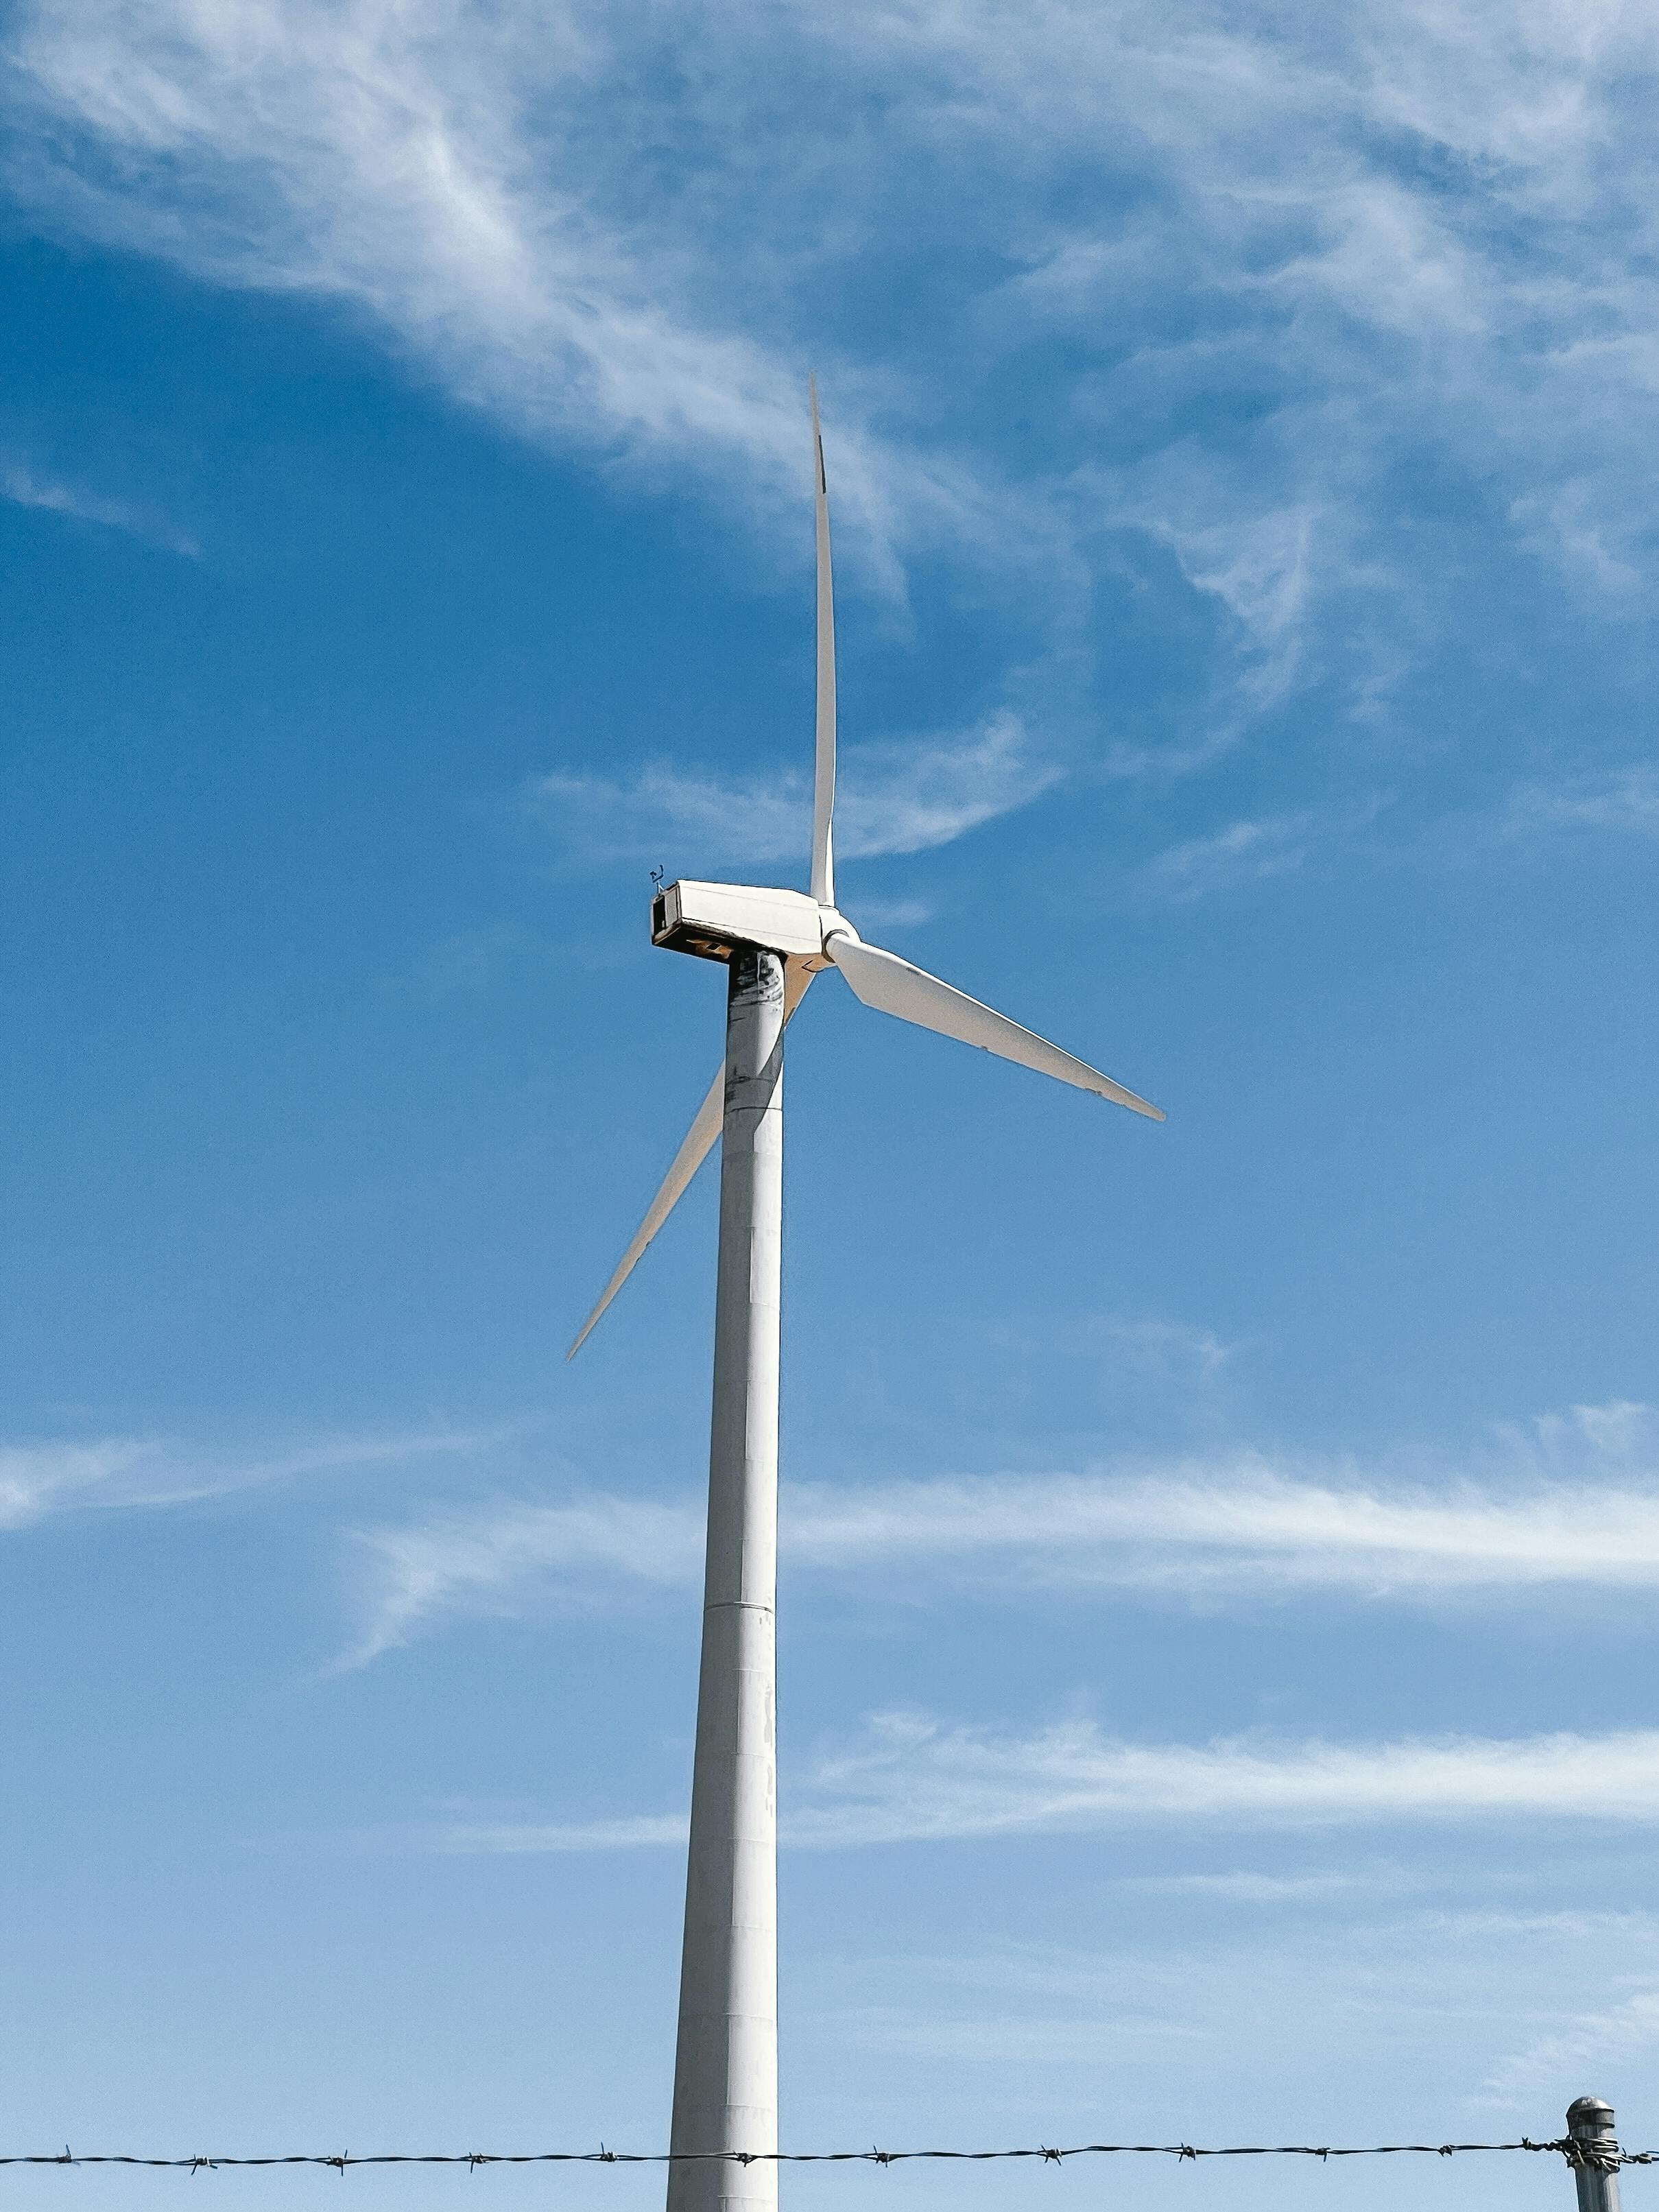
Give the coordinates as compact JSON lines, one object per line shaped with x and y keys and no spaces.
{"x":1626,"y":802}
{"x":893,"y":798}
{"x":912,"y":1778}
{"x":124,"y":1474}
{"x":487,"y":1563}
{"x":1242,"y":1530}
{"x":24,"y":487}
{"x":908,"y":1777}
{"x":1315,"y":245}
{"x":1253,"y":850}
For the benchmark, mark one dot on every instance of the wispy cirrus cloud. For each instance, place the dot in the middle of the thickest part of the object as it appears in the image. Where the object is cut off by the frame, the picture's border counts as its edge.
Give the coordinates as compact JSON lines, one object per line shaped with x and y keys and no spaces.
{"x":27,"y":487}
{"x":37,"y":1480}
{"x":1248,"y":1886}
{"x":1626,"y":801}
{"x":519,"y":1838}
{"x":1168,"y":1349}
{"x":114,"y":1474}
{"x":1260,"y":566}
{"x":1253,"y":850}
{"x":910,"y":1778}
{"x":1622,"y":2029}
{"x":898,"y":797}
{"x":1543,"y":1515}
{"x":1246,"y":267}
{"x":451,"y":180}
{"x":1179,"y":2018}
{"x":493,"y":1561}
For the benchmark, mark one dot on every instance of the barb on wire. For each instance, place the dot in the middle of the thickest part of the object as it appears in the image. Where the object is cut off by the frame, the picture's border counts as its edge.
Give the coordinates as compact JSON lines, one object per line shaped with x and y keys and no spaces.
{"x":1573,"y":2150}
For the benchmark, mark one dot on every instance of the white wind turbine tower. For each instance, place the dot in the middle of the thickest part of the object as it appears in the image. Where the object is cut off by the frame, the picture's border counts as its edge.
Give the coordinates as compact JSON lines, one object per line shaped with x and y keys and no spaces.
{"x":775,"y":942}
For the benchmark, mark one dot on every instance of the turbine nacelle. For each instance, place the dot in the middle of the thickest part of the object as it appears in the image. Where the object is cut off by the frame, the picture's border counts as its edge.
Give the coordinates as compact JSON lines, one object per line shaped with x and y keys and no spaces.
{"x":710,"y":920}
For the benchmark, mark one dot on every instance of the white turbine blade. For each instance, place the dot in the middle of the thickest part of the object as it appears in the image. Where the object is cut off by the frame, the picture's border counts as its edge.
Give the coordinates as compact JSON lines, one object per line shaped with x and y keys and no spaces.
{"x":823,"y":789}
{"x":699,"y":1143}
{"x":894,"y":987}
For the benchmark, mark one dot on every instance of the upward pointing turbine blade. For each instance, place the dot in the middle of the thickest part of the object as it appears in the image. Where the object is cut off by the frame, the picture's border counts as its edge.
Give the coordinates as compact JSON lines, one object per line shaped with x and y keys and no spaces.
{"x":824,"y":788}
{"x":882,"y":980}
{"x":699,"y":1142}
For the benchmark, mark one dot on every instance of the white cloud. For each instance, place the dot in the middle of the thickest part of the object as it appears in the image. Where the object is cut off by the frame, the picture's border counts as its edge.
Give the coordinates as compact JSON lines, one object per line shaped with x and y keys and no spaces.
{"x":25,"y":487}
{"x":1543,"y":1516}
{"x":450,"y":1563}
{"x":513,"y":1839}
{"x":1260,"y":566}
{"x":36,"y":1479}
{"x":663,"y":805}
{"x":890,"y":914}
{"x":119,"y":1473}
{"x":912,"y":1778}
{"x":1623,"y":1432}
{"x":1249,"y":1529}
{"x":1251,"y":851}
{"x":1296,"y":248}
{"x":1326,"y":2007}
{"x":1615,"y":2030}
{"x":911,"y":797}
{"x":1246,"y":1886}
{"x":1627,"y":801}
{"x":1260,"y":571}
{"x":1245,"y":852}
{"x":450,"y":179}
{"x":1163,"y":1347}
{"x":893,"y":798}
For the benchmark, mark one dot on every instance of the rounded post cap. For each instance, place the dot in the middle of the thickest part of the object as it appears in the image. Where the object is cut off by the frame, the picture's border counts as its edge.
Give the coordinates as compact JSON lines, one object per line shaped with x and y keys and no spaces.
{"x":1591,"y":2115}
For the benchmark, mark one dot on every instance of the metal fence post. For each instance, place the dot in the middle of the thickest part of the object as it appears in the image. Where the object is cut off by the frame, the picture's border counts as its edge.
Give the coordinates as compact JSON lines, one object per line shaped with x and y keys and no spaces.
{"x":1594,"y":2154}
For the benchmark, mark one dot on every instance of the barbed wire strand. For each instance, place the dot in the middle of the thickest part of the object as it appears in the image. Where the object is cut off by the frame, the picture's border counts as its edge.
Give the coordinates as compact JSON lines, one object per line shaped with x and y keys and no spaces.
{"x":1577,"y":2154}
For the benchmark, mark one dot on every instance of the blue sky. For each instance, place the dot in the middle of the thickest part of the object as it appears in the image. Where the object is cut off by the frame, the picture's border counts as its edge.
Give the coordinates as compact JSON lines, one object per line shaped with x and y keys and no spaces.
{"x":1216,"y":1623}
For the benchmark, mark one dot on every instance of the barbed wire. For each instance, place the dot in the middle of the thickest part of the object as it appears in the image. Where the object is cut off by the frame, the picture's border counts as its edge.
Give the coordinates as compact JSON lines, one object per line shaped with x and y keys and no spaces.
{"x":1575,"y":2151}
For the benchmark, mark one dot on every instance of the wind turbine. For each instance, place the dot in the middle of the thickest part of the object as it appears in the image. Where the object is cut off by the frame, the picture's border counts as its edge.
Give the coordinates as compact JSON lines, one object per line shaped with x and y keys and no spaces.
{"x":775,"y":942}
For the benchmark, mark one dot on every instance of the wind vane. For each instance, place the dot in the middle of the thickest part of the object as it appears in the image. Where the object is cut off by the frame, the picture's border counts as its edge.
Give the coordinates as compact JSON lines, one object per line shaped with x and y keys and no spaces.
{"x":775,"y":942}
